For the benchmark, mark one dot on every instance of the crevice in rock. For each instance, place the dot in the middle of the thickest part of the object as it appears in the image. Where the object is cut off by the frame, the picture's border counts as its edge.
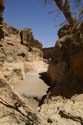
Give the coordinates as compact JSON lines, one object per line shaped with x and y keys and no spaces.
{"x":45,"y":78}
{"x":70,"y":116}
{"x":17,"y":108}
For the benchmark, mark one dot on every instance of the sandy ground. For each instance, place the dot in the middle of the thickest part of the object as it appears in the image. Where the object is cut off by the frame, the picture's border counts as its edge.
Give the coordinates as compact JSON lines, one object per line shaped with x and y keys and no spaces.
{"x":32,"y":86}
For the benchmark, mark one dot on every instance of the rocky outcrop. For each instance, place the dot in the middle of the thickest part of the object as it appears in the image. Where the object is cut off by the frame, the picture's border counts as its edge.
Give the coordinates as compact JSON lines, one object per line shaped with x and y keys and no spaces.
{"x":13,"y":49}
{"x":26,"y":35}
{"x":27,"y":39}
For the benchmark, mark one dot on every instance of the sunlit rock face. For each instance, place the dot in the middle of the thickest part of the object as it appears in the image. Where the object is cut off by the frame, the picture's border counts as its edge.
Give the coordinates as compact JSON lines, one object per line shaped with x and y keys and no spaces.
{"x":15,"y":62}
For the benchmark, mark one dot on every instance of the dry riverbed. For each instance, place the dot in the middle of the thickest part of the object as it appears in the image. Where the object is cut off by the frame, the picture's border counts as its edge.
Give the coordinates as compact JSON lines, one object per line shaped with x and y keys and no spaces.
{"x":33,"y":88}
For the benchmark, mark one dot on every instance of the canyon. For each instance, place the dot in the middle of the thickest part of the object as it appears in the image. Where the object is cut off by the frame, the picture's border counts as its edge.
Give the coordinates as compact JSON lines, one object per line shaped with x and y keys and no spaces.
{"x":41,"y":86}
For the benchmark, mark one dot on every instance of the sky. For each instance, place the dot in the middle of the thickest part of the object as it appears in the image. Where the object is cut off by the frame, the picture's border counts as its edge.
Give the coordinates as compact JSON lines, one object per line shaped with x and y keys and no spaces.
{"x":34,"y":14}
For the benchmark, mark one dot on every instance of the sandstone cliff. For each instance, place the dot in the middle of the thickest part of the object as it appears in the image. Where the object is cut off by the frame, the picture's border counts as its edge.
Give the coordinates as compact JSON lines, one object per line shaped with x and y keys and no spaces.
{"x":65,"y":69}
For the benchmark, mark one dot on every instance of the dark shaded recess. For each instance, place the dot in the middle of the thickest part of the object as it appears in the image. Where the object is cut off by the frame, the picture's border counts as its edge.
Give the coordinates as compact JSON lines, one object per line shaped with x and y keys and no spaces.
{"x":45,"y":78}
{"x":10,"y":44}
{"x":30,"y":49}
{"x":68,"y":90}
{"x":22,"y":54}
{"x":45,"y":96}
{"x":21,"y":36}
{"x":1,"y":33}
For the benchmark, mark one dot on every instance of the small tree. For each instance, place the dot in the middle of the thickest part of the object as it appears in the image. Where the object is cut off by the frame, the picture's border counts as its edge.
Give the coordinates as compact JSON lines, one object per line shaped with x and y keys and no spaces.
{"x":65,"y":7}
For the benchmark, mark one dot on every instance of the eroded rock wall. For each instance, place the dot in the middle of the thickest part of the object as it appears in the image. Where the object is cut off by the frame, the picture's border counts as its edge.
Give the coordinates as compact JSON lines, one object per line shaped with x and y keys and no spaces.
{"x":65,"y":69}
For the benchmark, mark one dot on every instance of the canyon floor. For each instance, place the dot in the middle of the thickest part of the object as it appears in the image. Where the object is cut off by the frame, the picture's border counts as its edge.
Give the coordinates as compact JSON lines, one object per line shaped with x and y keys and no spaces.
{"x":32,"y":87}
